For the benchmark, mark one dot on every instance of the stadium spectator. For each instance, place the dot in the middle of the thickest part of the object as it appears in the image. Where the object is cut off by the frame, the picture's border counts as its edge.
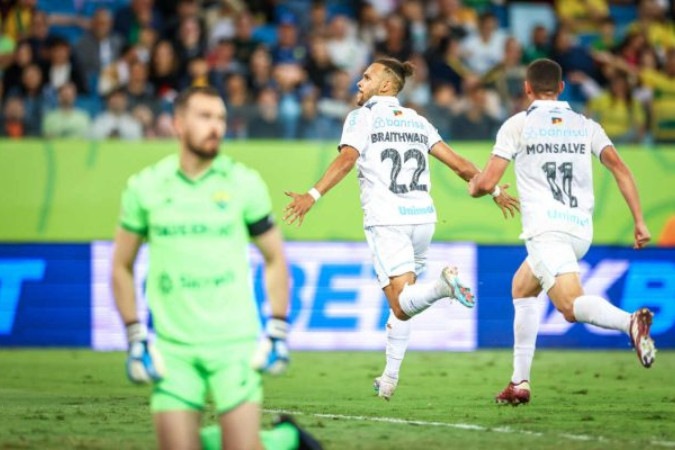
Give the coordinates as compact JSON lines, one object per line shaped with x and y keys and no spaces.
{"x":129,"y":20}
{"x":34,"y":97}
{"x":319,"y":66}
{"x":309,"y":126}
{"x":139,"y":91}
{"x":484,"y":48}
{"x":539,"y":46}
{"x":183,"y":10}
{"x":39,"y":37}
{"x":288,"y":49}
{"x":413,"y":13}
{"x":189,"y":43}
{"x":396,"y":42}
{"x":62,"y":67}
{"x":554,"y":243}
{"x":370,"y":27}
{"x":447,"y":66}
{"x":317,"y":22}
{"x":582,"y":16}
{"x":116,"y":75}
{"x":618,"y":112}
{"x":260,"y":70}
{"x":244,"y":42}
{"x":654,"y":23}
{"x":18,"y":20}
{"x":507,"y":77}
{"x":222,"y":61}
{"x":264,"y":122}
{"x":98,"y":47}
{"x":334,"y":107}
{"x":147,"y":38}
{"x":442,"y":108}
{"x":398,"y":241}
{"x":345,"y":50}
{"x":11,"y":77}
{"x":206,"y":336}
{"x":145,"y":117}
{"x":13,"y":119}
{"x":462,"y":20}
{"x":606,"y":40}
{"x":164,"y":70}
{"x":416,"y":93}
{"x":220,"y":20}
{"x":66,"y":121}
{"x":288,"y":79}
{"x":115,"y":122}
{"x":239,"y":107}
{"x":662,"y":84}
{"x":474,"y":123}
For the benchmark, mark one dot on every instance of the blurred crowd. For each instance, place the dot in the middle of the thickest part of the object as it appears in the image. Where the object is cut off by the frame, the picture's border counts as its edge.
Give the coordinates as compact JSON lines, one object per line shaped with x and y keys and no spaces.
{"x":288,"y":69}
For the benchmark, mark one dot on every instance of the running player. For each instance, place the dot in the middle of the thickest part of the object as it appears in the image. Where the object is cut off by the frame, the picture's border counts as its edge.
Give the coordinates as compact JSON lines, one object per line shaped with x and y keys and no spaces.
{"x":552,"y":148}
{"x":390,"y":145}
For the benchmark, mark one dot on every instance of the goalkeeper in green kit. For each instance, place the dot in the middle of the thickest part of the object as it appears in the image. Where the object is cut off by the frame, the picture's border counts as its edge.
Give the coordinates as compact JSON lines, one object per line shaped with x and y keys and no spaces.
{"x":198,"y":210}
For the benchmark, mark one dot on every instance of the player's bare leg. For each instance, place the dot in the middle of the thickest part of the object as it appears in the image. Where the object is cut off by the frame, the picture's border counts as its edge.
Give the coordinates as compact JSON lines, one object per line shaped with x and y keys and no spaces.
{"x":567,"y":295}
{"x":240,"y":428}
{"x":178,"y":430}
{"x":525,"y":289}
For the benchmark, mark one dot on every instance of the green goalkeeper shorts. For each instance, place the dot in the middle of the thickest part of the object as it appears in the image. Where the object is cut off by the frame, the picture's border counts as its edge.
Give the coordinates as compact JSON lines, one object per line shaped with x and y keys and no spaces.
{"x":194,"y":371}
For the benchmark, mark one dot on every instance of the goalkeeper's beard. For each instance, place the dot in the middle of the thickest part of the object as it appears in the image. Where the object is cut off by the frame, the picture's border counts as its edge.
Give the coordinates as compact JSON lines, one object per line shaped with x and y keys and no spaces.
{"x":200,"y":151}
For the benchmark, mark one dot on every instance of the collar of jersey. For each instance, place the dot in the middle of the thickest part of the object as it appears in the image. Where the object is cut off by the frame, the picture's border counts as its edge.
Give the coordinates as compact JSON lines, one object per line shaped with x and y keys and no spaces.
{"x":383,"y":99}
{"x":220,"y":165}
{"x":559,"y":103}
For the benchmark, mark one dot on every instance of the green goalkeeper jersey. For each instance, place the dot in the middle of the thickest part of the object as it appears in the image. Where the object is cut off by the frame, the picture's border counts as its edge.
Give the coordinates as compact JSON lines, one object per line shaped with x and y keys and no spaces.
{"x":199,"y":286}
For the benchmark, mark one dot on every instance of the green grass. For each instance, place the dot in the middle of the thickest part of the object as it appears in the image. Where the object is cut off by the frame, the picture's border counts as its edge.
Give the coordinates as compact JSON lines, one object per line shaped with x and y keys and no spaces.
{"x":63,"y":399}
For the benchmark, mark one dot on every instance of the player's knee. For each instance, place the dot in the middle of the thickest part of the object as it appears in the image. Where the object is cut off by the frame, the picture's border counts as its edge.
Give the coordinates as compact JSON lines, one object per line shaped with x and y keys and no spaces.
{"x":400,"y":315}
{"x":568,"y":313}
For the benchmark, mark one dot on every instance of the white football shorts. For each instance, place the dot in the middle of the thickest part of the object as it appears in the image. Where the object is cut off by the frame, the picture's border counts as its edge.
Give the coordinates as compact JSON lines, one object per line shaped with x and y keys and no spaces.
{"x":553,"y":253}
{"x":398,"y":249}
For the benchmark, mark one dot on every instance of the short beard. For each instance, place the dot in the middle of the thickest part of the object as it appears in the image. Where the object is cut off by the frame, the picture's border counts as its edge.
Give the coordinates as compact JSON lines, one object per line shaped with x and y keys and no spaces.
{"x":200,"y":153}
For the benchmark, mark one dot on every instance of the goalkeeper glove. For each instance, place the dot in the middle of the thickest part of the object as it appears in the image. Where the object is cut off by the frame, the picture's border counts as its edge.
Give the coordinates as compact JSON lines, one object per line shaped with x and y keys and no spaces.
{"x":144,"y":363}
{"x":272,"y":354}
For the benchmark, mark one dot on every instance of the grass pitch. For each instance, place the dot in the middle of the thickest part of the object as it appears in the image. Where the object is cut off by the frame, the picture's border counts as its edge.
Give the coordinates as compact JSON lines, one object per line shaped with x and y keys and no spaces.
{"x":77,"y":399}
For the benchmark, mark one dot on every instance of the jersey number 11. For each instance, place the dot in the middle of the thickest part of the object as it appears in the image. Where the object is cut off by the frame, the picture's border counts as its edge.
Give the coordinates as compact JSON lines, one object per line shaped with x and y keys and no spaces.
{"x":566,"y":170}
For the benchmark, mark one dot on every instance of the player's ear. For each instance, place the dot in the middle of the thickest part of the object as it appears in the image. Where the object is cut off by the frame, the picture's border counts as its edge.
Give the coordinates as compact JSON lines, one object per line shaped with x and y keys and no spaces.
{"x":561,"y":87}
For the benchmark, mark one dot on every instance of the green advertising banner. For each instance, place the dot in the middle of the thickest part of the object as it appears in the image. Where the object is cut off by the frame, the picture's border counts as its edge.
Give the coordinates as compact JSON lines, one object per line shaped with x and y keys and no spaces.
{"x":70,"y":190}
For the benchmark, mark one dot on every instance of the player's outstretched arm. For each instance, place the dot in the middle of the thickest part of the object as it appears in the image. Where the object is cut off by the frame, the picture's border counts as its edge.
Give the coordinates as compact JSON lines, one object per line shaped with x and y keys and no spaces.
{"x":338,"y":169}
{"x":144,"y":364}
{"x":466,"y":170}
{"x":624,"y":179}
{"x":272,"y":355}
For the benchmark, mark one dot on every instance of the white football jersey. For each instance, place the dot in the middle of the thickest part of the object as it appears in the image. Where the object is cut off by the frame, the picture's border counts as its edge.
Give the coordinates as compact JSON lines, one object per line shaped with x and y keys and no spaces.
{"x":393,"y":165}
{"x":551,"y":147}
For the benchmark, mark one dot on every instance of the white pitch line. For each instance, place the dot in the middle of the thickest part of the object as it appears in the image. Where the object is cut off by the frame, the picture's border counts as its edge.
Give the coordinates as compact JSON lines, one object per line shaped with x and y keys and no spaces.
{"x":459,"y":426}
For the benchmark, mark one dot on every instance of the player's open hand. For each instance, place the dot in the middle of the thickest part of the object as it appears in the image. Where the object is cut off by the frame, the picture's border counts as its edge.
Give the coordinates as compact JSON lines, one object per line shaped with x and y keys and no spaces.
{"x":507,"y":203}
{"x":298,"y":207}
{"x":642,"y":235}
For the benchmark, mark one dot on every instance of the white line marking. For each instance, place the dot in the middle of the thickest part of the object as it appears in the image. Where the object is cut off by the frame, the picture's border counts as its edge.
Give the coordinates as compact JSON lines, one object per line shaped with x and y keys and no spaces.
{"x":459,"y":426}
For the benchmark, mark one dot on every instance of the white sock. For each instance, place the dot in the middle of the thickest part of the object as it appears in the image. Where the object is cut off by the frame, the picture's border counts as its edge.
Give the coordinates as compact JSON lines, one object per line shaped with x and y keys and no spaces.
{"x":598,"y":311}
{"x":398,"y":335}
{"x":415,"y":298}
{"x":525,"y":328}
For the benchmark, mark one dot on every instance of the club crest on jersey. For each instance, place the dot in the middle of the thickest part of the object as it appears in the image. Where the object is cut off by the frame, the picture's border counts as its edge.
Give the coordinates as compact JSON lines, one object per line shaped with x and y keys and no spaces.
{"x":556,"y":120}
{"x":221,"y":199}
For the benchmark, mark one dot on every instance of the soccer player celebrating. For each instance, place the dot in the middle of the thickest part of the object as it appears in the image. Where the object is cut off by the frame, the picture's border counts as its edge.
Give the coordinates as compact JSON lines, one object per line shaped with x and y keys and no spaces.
{"x":390,"y":145}
{"x":198,"y":210}
{"x":552,"y":148}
